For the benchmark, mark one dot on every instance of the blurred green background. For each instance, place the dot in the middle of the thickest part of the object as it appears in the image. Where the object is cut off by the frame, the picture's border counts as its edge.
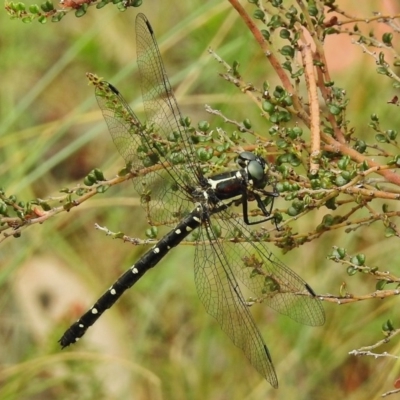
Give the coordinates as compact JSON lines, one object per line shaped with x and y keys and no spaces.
{"x":158,"y":342}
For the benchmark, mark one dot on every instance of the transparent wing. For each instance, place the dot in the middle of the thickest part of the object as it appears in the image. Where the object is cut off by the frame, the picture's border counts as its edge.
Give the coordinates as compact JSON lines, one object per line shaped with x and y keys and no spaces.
{"x":222,"y":298}
{"x":163,"y":202}
{"x":218,"y":263}
{"x":268,"y":277}
{"x":160,"y":105}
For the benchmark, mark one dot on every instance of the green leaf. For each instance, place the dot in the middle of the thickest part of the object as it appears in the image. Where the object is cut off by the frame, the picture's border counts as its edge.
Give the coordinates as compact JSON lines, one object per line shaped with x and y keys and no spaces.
{"x":247,"y":123}
{"x":381,"y":138}
{"x":312,"y":10}
{"x":266,"y":34}
{"x":360,"y":146}
{"x":152,"y":232}
{"x":351,"y":270}
{"x":287,"y":51}
{"x":34,"y":9}
{"x":89,"y":180}
{"x":42,"y":19}
{"x":259,"y":14}
{"x":334,"y":109}
{"x":101,"y":4}
{"x":102,"y":188}
{"x":380,"y":285}
{"x":203,"y":126}
{"x":284,"y":34}
{"x":45,"y":206}
{"x":374,"y":118}
{"x":387,"y":326}
{"x":81,"y":11}
{"x":292,"y":211}
{"x":344,"y":162}
{"x":47,"y":6}
{"x":20,"y":7}
{"x":28,"y":18}
{"x":98,"y":174}
{"x":382,"y":70}
{"x":387,"y":38}
{"x":268,"y":106}
{"x":331,"y":203}
{"x":392,"y":134}
{"x":339,"y":253}
{"x":389,"y":232}
{"x":360,"y":259}
{"x":58,"y":17}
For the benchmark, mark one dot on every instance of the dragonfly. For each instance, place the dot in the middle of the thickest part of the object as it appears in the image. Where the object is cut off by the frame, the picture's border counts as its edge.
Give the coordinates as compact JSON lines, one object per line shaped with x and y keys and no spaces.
{"x":176,"y":191}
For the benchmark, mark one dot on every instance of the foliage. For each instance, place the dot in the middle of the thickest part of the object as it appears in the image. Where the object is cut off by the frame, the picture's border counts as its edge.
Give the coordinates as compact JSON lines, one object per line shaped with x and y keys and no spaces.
{"x":328,"y":167}
{"x":46,"y":10}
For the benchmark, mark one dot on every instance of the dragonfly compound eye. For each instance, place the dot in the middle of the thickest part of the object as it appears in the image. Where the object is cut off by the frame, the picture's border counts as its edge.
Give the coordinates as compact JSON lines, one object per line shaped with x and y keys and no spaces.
{"x":245,"y":157}
{"x":256,"y":170}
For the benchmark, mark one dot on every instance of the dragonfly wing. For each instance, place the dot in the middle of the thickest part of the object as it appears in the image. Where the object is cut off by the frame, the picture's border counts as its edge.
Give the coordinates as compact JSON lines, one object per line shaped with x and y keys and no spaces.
{"x":222,"y":298}
{"x":268,"y":277}
{"x":160,"y":196}
{"x":160,"y":105}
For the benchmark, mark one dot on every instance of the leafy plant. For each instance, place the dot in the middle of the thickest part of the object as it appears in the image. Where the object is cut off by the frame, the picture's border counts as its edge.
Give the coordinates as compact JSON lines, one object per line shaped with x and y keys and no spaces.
{"x":328,"y":167}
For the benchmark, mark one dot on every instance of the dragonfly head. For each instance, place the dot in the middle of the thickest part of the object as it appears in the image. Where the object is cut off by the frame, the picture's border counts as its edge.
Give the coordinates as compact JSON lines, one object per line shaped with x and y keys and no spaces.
{"x":256,"y":167}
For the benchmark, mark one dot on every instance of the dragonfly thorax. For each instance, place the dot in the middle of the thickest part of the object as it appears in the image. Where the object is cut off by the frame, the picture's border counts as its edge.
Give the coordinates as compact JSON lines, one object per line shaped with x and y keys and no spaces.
{"x":228,"y":185}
